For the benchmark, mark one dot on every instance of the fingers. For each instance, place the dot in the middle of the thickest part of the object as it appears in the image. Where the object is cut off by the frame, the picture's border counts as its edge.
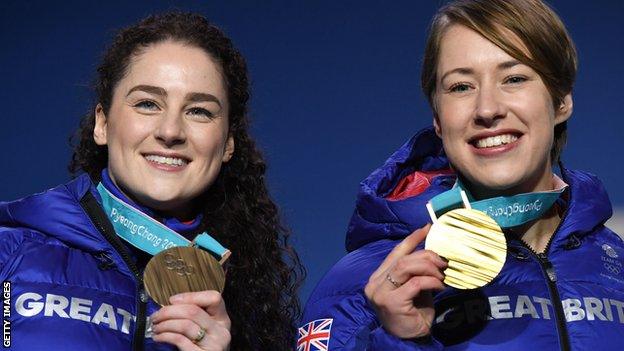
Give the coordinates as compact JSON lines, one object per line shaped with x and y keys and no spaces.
{"x":180,"y":326}
{"x":421,"y":263}
{"x":193,"y":313}
{"x":415,"y":285}
{"x":211,"y":301}
{"x":180,"y":341}
{"x":194,"y":321}
{"x":405,"y":247}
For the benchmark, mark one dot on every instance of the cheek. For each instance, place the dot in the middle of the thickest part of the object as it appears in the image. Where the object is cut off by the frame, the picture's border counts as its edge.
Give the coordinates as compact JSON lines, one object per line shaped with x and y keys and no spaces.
{"x":127,"y":132}
{"x":209,"y":144}
{"x":453,"y":116}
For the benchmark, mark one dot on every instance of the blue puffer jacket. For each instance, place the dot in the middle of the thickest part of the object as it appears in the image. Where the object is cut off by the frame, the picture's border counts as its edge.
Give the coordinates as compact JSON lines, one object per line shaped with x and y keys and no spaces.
{"x":73,"y":284}
{"x":569,"y":298}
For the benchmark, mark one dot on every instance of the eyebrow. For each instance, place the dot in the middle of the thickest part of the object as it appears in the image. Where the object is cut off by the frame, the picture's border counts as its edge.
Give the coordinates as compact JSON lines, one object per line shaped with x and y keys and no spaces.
{"x":191,"y":97}
{"x":148,"y":89}
{"x":469,"y":71}
{"x":199,"y":97}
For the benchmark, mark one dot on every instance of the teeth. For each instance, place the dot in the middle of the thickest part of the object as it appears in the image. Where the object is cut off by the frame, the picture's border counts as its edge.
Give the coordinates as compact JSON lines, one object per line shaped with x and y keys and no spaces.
{"x":166,"y":160}
{"x":495,"y":141}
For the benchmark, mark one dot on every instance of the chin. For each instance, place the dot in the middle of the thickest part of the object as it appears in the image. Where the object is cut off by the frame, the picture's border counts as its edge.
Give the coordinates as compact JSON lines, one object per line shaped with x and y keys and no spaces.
{"x":158,"y":200}
{"x":496,"y":180}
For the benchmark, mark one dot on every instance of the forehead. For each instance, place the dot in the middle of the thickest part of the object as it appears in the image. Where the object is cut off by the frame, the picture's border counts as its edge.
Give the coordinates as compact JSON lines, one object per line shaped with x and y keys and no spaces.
{"x":460,"y":45}
{"x":176,"y":67}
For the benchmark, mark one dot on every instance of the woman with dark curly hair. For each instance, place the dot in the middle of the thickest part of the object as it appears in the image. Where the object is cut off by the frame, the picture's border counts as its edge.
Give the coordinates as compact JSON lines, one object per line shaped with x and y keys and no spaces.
{"x":466,"y":238}
{"x":168,"y":140}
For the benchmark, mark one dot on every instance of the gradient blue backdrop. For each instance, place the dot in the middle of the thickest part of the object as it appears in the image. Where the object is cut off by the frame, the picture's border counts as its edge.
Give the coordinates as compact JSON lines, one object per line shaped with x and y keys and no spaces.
{"x":335,"y":91}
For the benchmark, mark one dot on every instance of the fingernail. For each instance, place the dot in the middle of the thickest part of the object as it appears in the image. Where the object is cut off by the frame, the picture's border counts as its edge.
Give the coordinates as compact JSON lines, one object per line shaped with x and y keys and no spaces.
{"x":175,"y":298}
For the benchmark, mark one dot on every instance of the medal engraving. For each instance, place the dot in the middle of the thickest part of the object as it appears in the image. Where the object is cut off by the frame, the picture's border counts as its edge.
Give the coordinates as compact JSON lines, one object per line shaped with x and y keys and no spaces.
{"x":182,"y":269}
{"x":178,"y":265}
{"x":474,"y":245}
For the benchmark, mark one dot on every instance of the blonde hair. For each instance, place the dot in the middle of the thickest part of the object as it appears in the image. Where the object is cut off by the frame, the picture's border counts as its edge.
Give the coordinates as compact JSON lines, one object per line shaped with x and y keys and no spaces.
{"x":548,"y":48}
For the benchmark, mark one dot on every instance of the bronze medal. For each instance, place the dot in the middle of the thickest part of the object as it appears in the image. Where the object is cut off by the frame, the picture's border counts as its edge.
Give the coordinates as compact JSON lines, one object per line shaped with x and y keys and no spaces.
{"x":474,"y":245}
{"x":182,"y":269}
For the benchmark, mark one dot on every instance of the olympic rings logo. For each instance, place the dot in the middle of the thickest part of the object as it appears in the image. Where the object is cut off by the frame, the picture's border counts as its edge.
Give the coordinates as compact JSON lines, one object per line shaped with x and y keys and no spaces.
{"x":609,"y":251}
{"x":611,"y":268}
{"x":178,"y":265}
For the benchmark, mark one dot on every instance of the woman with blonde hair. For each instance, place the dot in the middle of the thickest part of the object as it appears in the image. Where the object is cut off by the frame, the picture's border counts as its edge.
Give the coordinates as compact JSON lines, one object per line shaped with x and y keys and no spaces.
{"x":499,"y":76}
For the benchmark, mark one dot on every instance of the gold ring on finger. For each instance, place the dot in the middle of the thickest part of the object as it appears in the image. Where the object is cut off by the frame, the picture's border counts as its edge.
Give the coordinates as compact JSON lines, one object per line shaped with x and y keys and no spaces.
{"x":200,"y":335}
{"x":394,"y":282}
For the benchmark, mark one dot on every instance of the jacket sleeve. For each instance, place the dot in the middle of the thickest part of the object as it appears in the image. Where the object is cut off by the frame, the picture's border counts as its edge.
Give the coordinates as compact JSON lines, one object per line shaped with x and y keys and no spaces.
{"x":353,"y":326}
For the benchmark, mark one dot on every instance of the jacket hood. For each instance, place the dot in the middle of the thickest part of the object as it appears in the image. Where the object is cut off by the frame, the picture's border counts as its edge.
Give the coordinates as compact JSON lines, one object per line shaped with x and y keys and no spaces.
{"x":377,"y":217}
{"x":57,"y":213}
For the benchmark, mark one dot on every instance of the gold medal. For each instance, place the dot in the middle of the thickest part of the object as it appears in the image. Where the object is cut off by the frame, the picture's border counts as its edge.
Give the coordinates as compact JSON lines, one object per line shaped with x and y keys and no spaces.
{"x":182,"y":269}
{"x":474,"y":245}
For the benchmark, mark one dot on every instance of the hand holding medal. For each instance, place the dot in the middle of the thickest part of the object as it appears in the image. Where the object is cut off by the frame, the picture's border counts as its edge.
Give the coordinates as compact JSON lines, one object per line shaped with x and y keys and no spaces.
{"x":400,"y":289}
{"x":184,"y":277}
{"x":472,"y":238}
{"x":182,"y":269}
{"x":187,"y":282}
{"x":465,"y":248}
{"x":473,"y":244}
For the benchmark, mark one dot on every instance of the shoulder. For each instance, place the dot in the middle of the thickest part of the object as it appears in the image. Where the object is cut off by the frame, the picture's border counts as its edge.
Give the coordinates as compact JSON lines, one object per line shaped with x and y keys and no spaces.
{"x":51,"y":217}
{"x":10,"y":240}
{"x":349,"y":275}
{"x":611,"y":238}
{"x":37,"y":204}
{"x":13,"y":239}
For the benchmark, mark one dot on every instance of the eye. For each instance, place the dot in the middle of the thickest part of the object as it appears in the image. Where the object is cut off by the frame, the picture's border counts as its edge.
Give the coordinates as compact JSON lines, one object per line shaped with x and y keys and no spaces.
{"x":200,"y":112}
{"x":515,"y":79}
{"x":459,"y":88}
{"x":146,"y":105}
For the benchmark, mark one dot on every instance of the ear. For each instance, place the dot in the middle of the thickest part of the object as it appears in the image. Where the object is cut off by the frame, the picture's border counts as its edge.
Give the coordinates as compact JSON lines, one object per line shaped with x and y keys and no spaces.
{"x":436,"y":125}
{"x":565,"y":109}
{"x":229,"y":148}
{"x":99,"y":131}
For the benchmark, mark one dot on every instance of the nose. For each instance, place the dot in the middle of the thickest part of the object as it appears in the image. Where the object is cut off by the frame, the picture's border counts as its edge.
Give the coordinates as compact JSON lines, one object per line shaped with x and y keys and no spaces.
{"x":170,"y":129}
{"x":489,"y":106}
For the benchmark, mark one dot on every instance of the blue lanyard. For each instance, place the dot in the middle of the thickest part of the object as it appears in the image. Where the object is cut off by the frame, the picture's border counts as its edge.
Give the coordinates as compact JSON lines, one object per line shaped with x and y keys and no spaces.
{"x":149,"y":235}
{"x":507,"y":211}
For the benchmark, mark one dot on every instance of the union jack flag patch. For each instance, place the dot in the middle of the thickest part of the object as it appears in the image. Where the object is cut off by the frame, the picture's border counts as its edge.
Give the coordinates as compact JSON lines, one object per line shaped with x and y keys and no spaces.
{"x":314,"y":335}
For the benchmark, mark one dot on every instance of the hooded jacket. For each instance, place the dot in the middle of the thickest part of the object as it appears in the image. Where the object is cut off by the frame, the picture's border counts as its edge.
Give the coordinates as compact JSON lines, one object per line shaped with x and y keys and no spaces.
{"x":571,"y":297}
{"x":70,"y":282}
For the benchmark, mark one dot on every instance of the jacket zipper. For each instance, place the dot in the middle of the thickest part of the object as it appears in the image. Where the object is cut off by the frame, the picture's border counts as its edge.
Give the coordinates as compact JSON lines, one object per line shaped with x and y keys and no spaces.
{"x":99,"y":218}
{"x":551,"y":281}
{"x":549,"y":270}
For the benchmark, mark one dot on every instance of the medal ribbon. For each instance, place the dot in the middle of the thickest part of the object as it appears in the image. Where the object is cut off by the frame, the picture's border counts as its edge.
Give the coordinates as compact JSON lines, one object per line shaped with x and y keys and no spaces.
{"x":507,"y":211}
{"x":149,"y":235}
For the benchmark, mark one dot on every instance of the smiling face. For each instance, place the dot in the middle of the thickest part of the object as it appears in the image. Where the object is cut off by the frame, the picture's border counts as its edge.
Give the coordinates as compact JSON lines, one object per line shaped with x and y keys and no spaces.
{"x":495,"y":116}
{"x":167,"y":127}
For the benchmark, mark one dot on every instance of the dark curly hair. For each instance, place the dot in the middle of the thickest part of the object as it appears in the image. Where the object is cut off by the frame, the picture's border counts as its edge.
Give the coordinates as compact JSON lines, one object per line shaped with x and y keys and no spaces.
{"x":264,"y":271}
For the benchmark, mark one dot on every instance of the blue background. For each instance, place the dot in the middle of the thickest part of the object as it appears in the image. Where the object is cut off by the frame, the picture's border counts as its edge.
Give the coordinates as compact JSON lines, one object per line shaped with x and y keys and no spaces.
{"x":335,"y":91}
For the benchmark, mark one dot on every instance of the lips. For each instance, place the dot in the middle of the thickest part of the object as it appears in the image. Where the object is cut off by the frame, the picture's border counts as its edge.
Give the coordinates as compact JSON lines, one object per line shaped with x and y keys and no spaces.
{"x":496,"y":143}
{"x":495,"y":139}
{"x":170,"y":160}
